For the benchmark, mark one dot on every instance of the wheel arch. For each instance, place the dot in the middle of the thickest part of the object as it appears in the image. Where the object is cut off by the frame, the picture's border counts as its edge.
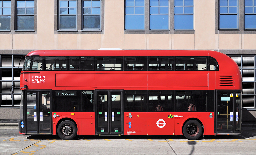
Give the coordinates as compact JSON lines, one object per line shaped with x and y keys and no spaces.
{"x":193,"y":119}
{"x":64,"y":119}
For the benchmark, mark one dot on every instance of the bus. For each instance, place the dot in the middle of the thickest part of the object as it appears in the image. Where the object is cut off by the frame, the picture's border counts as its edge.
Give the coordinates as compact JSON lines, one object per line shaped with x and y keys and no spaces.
{"x":130,"y":92}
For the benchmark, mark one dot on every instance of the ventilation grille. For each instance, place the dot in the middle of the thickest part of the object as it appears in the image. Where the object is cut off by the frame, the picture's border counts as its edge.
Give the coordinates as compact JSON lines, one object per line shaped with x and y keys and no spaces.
{"x":226,"y":81}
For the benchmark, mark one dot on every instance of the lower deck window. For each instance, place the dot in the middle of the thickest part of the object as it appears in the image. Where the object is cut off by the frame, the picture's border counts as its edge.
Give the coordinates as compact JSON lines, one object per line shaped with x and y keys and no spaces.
{"x":73,"y":101}
{"x":169,"y":101}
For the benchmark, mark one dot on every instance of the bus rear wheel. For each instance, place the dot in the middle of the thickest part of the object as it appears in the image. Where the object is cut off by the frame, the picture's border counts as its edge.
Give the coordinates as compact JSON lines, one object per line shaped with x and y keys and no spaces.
{"x":192,"y":130}
{"x":67,"y":130}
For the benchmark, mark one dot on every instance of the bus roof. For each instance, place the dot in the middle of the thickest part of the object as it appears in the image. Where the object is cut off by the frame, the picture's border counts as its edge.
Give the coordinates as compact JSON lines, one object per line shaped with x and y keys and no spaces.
{"x":122,"y":53}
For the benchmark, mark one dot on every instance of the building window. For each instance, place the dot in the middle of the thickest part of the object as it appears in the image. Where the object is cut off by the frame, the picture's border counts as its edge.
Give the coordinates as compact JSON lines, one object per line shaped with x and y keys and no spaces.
{"x":11,"y":66}
{"x":183,"y":14}
{"x":25,"y":15}
{"x":159,"y":14}
{"x":67,"y":15}
{"x":247,"y":65}
{"x":134,"y":15}
{"x":228,"y":14}
{"x":91,"y":14}
{"x":250,"y":14}
{"x":5,"y":15}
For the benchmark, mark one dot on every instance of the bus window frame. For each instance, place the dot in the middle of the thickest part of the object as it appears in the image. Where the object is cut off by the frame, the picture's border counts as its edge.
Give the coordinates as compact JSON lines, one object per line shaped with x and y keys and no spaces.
{"x":139,"y":60}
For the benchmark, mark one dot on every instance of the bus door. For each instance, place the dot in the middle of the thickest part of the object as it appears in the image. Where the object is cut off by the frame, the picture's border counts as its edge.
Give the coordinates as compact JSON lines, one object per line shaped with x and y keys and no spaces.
{"x":38,"y":112}
{"x":109,"y":112}
{"x":228,"y":112}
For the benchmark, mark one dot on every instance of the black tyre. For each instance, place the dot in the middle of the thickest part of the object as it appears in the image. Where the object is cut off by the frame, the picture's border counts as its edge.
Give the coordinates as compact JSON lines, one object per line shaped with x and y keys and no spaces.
{"x":192,"y":130}
{"x":67,"y":130}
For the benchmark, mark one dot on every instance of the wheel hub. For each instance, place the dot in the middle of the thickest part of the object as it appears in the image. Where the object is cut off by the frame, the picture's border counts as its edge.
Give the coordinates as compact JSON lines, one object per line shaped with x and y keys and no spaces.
{"x":67,"y":130}
{"x":192,"y":129}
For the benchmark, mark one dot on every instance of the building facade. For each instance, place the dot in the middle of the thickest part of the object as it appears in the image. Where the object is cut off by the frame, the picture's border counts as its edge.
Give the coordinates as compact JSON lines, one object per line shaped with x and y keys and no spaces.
{"x":227,"y":26}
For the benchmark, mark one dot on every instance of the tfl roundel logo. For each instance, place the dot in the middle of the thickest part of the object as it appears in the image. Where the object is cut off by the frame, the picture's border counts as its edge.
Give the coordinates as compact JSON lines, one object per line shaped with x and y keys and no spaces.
{"x":160,"y":123}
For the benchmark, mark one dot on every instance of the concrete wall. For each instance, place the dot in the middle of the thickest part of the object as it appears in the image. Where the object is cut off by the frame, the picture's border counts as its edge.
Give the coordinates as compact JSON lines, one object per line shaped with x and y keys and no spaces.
{"x":9,"y":113}
{"x":204,"y":36}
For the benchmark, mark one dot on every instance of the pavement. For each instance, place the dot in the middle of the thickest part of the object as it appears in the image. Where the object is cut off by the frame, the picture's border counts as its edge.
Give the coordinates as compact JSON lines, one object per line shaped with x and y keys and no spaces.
{"x":248,"y":129}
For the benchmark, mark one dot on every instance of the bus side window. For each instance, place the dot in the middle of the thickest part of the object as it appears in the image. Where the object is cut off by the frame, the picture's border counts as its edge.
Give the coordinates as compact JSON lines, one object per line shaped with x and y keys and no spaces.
{"x":200,"y":63}
{"x":87,"y":101}
{"x":56,"y":63}
{"x":160,"y":101}
{"x":180,"y":64}
{"x":182,"y":101}
{"x":154,"y":103}
{"x":199,"y":101}
{"x":109,"y":63}
{"x":66,"y":101}
{"x":213,"y":64}
{"x":184,"y":63}
{"x":129,"y":103}
{"x":135,"y":64}
{"x":74,"y":63}
{"x":86,"y":63}
{"x":190,"y":63}
{"x":160,"y":63}
{"x":135,"y":101}
{"x":37,"y":63}
{"x":81,"y":63}
{"x":196,"y":100}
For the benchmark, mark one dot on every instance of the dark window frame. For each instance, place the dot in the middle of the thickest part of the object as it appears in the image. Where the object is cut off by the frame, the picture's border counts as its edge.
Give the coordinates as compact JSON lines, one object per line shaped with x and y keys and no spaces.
{"x":203,"y":100}
{"x":184,"y":6}
{"x":76,"y":100}
{"x":68,"y":14}
{"x":2,"y":7}
{"x":159,"y":13}
{"x":134,"y":14}
{"x":136,"y":63}
{"x":228,"y":13}
{"x":79,"y":24}
{"x":147,"y":29}
{"x":91,"y":14}
{"x":253,"y":13}
{"x":25,"y":14}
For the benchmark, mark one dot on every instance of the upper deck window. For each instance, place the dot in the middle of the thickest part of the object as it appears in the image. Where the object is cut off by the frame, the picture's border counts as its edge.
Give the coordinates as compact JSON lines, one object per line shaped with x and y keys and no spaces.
{"x":160,"y":63}
{"x":55,"y":63}
{"x":213,"y":64}
{"x":191,"y":63}
{"x":109,"y":63}
{"x":119,"y":63}
{"x":135,"y":64}
{"x":81,"y":63}
{"x":33,"y":63}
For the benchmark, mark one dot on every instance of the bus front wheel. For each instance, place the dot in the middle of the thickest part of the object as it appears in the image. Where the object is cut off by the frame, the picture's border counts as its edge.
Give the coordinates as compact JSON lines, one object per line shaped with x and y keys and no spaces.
{"x":192,"y":130}
{"x":67,"y":130}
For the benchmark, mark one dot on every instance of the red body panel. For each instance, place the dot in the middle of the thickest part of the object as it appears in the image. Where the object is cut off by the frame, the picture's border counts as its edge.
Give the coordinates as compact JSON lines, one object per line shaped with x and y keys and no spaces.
{"x":85,"y":121}
{"x":78,"y":80}
{"x":158,"y":123}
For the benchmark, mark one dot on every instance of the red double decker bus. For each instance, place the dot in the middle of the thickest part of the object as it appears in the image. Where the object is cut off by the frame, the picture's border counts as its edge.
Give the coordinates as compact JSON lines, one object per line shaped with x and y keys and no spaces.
{"x":130,"y":92}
